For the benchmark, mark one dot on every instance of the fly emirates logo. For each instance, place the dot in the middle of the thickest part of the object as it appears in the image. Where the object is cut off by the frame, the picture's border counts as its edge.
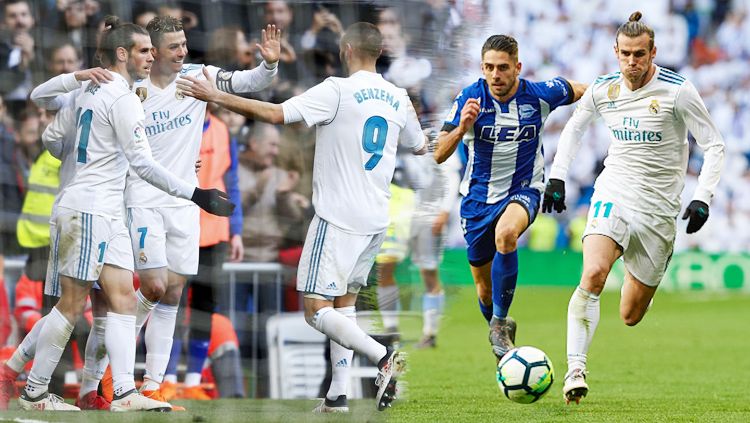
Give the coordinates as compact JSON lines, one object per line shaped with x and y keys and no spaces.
{"x":162,"y":121}
{"x":630,"y":132}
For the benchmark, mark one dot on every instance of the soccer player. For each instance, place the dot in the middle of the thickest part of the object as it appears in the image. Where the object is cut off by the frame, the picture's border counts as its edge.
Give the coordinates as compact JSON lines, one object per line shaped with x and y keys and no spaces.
{"x":500,"y":119}
{"x":165,"y":230}
{"x":359,"y":122}
{"x":92,"y":242}
{"x":649,"y":111}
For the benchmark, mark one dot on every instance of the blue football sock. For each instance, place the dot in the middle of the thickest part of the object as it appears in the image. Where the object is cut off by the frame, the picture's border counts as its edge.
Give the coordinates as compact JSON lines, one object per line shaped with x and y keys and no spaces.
{"x":486,"y":311}
{"x":174,"y":357}
{"x":504,"y":276}
{"x":197,"y":353}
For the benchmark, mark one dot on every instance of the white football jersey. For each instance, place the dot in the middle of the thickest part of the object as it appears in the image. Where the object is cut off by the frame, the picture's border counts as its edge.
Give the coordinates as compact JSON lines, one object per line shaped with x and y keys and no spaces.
{"x":174,"y":127}
{"x":647,"y":158}
{"x":360,"y":121}
{"x":109,"y":138}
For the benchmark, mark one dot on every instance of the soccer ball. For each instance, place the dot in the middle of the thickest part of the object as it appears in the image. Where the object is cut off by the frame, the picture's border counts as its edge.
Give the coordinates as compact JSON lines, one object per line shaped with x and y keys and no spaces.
{"x":525,"y":374}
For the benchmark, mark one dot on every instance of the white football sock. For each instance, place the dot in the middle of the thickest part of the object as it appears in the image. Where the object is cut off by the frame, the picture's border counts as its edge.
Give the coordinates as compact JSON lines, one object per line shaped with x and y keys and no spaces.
{"x":159,"y":344}
{"x":388,"y":304}
{"x":432,"y":309}
{"x":120,"y":344}
{"x":342,"y":330}
{"x":143,"y":310}
{"x":27,"y":349}
{"x":341,"y":360}
{"x":52,"y":340}
{"x":192,"y":379}
{"x":95,"y":357}
{"x":170,"y":378}
{"x":583,"y":317}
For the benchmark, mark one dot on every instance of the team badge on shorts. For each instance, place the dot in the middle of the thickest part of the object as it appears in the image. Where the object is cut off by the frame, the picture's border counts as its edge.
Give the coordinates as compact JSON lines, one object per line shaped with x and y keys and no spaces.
{"x":654,"y":107}
{"x":142,"y":259}
{"x":142,"y":93}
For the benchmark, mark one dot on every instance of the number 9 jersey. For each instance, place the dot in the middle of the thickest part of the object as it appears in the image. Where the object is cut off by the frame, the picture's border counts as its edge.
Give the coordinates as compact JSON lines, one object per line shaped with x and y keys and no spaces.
{"x":360,"y":121}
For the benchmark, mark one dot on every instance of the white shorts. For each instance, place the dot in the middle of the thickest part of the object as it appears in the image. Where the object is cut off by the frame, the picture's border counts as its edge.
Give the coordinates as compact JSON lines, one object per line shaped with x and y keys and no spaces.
{"x":84,"y":242}
{"x":335,"y":262}
{"x":647,"y":240}
{"x":426,"y":248}
{"x":52,"y":278}
{"x":165,"y":237}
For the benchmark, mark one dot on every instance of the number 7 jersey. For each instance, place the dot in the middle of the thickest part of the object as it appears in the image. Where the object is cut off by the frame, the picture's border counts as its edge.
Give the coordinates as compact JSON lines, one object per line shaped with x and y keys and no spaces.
{"x":359,"y":121}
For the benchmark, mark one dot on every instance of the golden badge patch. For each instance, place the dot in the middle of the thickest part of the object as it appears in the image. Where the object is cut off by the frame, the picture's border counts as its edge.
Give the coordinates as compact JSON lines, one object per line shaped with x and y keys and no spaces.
{"x":142,"y":93}
{"x":613,"y":92}
{"x":142,"y":258}
{"x":654,"y":107}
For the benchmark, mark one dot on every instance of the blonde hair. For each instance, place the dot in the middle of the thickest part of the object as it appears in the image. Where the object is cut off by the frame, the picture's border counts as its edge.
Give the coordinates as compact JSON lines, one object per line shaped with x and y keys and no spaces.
{"x":634,"y":27}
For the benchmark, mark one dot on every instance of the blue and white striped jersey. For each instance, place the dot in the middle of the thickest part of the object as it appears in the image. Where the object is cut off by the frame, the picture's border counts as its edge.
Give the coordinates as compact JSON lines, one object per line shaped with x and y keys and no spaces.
{"x":504,"y":148}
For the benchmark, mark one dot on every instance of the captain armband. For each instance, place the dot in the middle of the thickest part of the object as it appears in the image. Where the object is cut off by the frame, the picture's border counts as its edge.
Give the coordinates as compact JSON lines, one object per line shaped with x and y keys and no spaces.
{"x":224,"y":81}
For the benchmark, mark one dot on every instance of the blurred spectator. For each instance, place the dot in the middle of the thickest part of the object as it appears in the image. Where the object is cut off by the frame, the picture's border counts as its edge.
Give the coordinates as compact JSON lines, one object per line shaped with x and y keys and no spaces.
{"x":144,"y":15}
{"x":11,"y":186}
{"x":19,"y":55}
{"x":320,"y":43}
{"x":228,"y":49}
{"x":63,"y":58}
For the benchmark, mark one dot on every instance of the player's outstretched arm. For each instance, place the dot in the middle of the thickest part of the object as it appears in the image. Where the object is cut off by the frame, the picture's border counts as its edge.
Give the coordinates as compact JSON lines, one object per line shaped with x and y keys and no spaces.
{"x":51,"y":95}
{"x":57,"y":137}
{"x":206,"y":90}
{"x":578,"y":89}
{"x":447,"y":141}
{"x":258,"y":78}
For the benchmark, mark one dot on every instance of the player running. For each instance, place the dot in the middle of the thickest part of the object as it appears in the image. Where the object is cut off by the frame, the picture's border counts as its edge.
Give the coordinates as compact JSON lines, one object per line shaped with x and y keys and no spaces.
{"x":500,"y":119}
{"x":92,"y":242}
{"x":649,"y":111}
{"x":360,"y":120}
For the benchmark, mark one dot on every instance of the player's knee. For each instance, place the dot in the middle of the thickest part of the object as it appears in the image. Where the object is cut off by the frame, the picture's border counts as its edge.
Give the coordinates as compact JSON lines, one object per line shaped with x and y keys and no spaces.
{"x":506,"y":240}
{"x":630,"y":317}
{"x":595,"y":274}
{"x":153,"y":288}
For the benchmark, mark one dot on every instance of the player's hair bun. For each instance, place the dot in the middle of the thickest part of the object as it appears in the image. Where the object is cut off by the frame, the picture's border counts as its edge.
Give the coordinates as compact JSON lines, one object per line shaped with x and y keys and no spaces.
{"x":111,"y":22}
{"x":635,"y":16}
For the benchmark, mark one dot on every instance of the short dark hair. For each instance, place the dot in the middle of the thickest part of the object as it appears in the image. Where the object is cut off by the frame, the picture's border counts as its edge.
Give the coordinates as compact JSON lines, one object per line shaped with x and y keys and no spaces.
{"x":116,"y":34}
{"x":160,"y":25}
{"x":500,"y":42}
{"x":634,"y":28}
{"x":365,"y":37}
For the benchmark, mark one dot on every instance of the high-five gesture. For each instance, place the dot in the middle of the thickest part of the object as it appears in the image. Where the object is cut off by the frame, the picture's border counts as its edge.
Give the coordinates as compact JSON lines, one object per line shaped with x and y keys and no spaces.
{"x":270,"y":45}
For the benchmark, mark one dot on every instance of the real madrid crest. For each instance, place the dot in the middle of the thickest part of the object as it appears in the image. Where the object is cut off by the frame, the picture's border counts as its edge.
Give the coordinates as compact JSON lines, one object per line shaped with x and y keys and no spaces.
{"x":142,"y":259}
{"x":654,"y":107}
{"x":142,"y":93}
{"x":613,"y":92}
{"x":179,"y":95}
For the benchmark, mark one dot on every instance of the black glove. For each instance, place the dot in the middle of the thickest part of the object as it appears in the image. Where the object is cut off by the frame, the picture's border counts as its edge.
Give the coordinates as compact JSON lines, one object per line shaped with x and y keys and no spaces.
{"x":554,"y":196}
{"x":697,"y":212}
{"x":213,"y":201}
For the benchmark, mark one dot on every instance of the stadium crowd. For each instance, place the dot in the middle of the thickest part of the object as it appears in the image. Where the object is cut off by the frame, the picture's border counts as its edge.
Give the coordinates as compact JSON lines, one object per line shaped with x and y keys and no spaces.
{"x":432,"y":51}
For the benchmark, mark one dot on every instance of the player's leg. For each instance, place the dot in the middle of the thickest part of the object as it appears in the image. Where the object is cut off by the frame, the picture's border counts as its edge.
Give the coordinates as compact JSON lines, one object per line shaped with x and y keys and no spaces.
{"x":202,"y":306}
{"x":511,"y":224}
{"x":335,"y":400}
{"x":482,"y":275}
{"x":426,"y":251}
{"x":635,"y":300}
{"x":646,"y":260}
{"x":148,"y":239}
{"x":599,"y":254}
{"x":388,"y":293}
{"x":159,"y":332}
{"x":53,"y":337}
{"x":328,"y":252}
{"x":95,"y":356}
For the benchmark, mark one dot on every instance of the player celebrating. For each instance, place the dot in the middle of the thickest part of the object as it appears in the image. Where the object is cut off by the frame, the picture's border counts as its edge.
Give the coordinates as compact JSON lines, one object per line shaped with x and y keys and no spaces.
{"x":92,"y":242}
{"x":165,"y":230}
{"x":360,"y":120}
{"x":648,"y":110}
{"x":500,"y":119}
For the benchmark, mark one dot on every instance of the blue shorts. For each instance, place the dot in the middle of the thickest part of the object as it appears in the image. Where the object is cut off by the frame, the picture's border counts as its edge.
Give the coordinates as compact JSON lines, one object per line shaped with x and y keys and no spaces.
{"x":478,"y":221}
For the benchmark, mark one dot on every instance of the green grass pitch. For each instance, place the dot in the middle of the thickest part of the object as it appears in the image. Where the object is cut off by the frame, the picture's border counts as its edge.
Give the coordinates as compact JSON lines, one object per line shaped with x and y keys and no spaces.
{"x":687,"y":361}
